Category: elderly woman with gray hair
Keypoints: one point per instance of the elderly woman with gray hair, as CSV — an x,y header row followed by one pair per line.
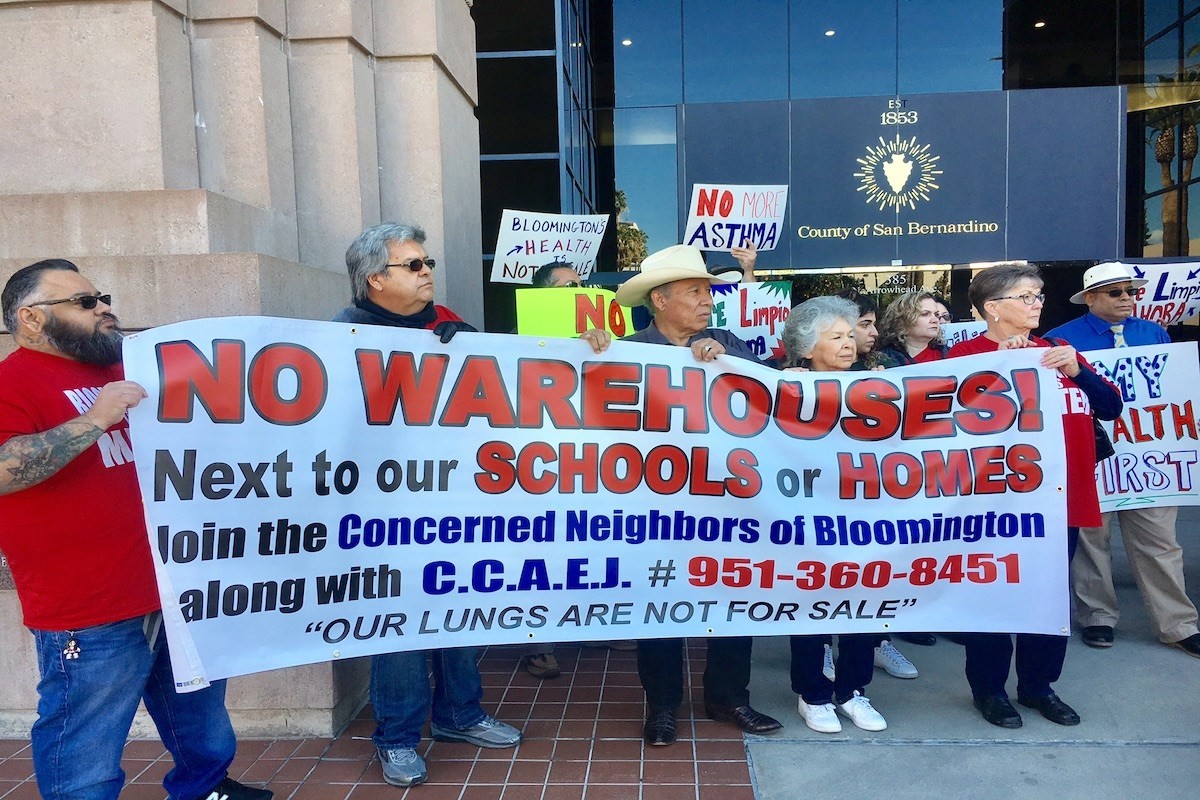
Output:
x,y
819,336
1008,297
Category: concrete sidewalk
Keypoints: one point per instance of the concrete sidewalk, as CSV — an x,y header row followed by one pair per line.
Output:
x,y
1140,735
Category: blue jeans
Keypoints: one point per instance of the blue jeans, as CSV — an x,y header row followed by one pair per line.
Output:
x,y
401,699
86,706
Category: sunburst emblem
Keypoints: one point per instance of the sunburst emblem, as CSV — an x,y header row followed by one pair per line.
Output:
x,y
908,169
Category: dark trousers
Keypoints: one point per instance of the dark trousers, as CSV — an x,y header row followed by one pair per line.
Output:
x,y
1039,657
1039,662
853,667
726,673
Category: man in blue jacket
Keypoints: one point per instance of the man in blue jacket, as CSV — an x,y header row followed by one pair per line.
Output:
x,y
1149,533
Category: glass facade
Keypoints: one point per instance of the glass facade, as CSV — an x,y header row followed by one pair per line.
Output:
x,y
627,80
537,121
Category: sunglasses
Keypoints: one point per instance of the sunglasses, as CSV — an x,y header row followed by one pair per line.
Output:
x,y
1115,293
417,264
87,302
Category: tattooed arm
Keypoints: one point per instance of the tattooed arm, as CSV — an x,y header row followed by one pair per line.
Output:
x,y
28,460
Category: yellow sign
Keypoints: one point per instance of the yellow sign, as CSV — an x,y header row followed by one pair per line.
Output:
x,y
568,312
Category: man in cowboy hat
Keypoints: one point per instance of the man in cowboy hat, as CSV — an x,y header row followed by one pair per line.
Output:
x,y
676,287
1149,533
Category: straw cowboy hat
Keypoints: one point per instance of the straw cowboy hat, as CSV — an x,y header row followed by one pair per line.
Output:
x,y
1104,274
675,263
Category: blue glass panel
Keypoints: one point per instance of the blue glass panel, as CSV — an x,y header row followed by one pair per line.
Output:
x,y
645,151
734,51
857,59
648,70
1159,14
950,46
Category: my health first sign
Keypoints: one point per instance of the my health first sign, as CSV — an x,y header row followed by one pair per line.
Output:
x,y
317,491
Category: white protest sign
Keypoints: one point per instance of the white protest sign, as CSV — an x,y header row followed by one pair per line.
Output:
x,y
956,332
529,240
1171,294
1157,461
754,312
721,217
320,491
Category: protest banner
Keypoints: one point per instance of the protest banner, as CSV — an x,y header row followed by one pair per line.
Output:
x,y
563,311
755,312
1171,294
1155,437
955,332
721,217
528,240
317,491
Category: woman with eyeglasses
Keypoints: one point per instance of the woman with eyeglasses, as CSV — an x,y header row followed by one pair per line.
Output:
x,y
1009,298
909,331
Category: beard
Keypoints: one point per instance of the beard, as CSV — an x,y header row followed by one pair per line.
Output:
x,y
97,347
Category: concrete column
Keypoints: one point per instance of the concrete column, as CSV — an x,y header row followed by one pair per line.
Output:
x,y
243,116
333,126
426,94
98,97
216,157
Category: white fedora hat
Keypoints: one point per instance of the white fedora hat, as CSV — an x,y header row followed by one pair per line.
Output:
x,y
675,263
1103,275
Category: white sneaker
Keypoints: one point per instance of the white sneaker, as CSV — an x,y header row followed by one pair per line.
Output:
x,y
893,662
827,667
858,710
822,718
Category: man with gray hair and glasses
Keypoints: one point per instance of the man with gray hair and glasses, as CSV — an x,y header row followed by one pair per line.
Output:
x,y
391,278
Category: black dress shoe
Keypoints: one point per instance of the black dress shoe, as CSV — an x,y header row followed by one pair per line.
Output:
x,y
1052,708
660,728
998,711
923,639
1098,636
744,717
1190,645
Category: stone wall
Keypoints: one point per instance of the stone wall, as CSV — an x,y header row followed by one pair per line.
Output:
x,y
204,158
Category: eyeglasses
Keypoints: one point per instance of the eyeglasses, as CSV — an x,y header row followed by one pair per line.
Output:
x,y
1115,293
417,264
936,315
1027,299
571,285
87,302
945,317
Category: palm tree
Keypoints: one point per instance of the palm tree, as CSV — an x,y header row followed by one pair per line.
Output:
x,y
631,240
1180,112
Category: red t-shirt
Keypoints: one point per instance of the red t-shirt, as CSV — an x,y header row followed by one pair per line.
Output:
x,y
928,355
76,542
1083,502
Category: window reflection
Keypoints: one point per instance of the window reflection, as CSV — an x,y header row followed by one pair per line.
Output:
x,y
950,46
858,60
1159,14
648,70
734,52
645,151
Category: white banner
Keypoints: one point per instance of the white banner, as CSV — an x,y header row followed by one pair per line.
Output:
x,y
528,240
1156,463
955,332
317,491
755,313
1172,293
721,217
